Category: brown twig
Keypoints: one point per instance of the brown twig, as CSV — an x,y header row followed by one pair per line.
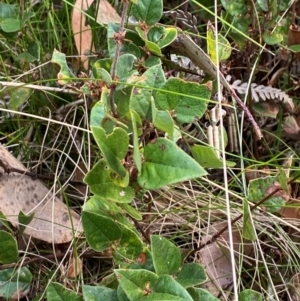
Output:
x,y
32,260
119,37
248,114
8,169
140,228
218,234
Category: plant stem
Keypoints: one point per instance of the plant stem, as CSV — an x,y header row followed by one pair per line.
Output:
x,y
119,40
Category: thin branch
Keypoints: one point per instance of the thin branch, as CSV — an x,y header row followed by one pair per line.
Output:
x,y
8,169
252,208
119,40
48,257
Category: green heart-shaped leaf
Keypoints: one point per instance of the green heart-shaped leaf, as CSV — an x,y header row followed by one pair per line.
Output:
x,y
101,184
165,163
114,147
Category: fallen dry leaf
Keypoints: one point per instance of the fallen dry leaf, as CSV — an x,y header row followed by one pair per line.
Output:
x,y
53,221
216,257
107,14
75,267
281,193
294,287
83,33
19,294
291,209
294,37
291,128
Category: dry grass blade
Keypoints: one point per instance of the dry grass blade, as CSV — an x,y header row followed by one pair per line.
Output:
x,y
216,260
53,221
186,46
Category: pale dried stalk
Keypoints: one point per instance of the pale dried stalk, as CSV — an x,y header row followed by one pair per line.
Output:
x,y
186,46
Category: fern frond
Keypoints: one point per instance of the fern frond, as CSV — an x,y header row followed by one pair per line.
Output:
x,y
262,92
187,19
